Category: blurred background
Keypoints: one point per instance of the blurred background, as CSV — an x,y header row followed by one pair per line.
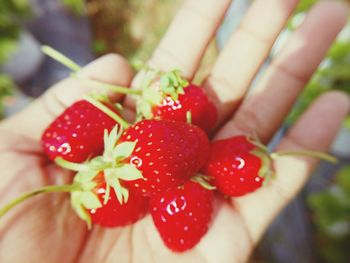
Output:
x,y
315,227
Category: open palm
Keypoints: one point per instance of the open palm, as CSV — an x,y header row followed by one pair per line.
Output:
x,y
45,229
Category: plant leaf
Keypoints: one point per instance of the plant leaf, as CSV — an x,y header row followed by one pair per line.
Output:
x,y
145,109
85,176
153,96
113,181
128,172
97,164
125,193
79,209
89,200
265,170
343,179
111,138
124,149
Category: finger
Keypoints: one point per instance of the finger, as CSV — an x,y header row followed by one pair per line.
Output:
x,y
264,111
186,40
33,120
315,131
246,50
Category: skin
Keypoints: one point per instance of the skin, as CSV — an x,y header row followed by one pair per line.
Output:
x,y
45,228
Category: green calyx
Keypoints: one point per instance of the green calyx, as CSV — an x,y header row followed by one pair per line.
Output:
x,y
113,168
189,117
84,198
172,84
203,180
151,86
155,86
266,170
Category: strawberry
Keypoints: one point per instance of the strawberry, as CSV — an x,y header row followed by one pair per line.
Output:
x,y
182,215
93,201
77,134
112,213
166,95
237,166
242,164
194,100
167,153
148,157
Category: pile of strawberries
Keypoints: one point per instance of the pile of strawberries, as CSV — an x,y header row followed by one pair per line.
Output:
x,y
163,163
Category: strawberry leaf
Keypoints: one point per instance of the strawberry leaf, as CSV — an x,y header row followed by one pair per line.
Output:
x,y
181,90
128,172
112,180
107,194
189,117
145,109
154,97
164,82
77,167
125,193
172,84
85,177
79,209
89,200
97,164
124,150
110,140
115,184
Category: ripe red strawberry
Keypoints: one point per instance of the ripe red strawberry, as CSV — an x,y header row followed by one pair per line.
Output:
x,y
77,134
166,95
113,214
167,153
94,200
194,100
182,215
237,166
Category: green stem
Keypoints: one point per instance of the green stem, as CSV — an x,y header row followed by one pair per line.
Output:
x,y
45,189
59,57
255,141
107,111
115,88
203,180
77,167
189,117
319,155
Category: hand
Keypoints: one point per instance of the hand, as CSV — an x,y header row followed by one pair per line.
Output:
x,y
45,229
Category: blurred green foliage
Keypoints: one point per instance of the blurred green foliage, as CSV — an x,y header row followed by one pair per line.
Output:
x,y
126,27
331,214
133,28
76,6
6,89
305,5
331,207
11,14
333,74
